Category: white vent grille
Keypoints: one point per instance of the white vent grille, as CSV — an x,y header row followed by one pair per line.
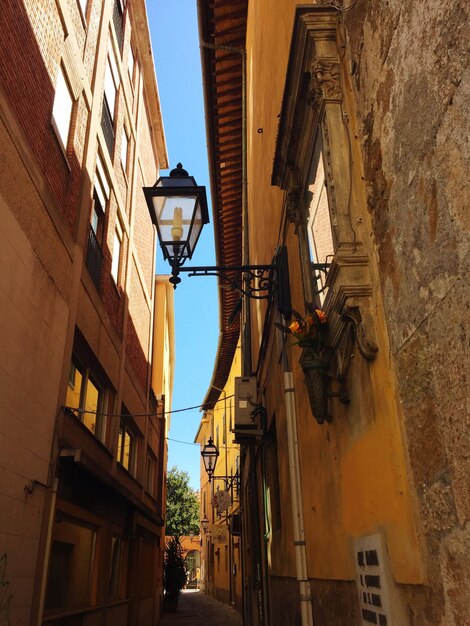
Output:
x,y
372,583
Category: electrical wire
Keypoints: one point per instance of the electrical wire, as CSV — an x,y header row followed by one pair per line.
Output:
x,y
188,408
191,443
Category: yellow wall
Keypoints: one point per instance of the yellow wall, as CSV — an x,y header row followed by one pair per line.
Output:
x,y
218,423
355,478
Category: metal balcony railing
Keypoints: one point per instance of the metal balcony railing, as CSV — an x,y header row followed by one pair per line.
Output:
x,y
94,258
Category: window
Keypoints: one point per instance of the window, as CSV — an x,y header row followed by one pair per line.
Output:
x,y
319,232
131,64
272,478
150,471
86,394
70,565
116,570
118,21
62,108
111,85
124,149
83,7
117,247
101,194
127,443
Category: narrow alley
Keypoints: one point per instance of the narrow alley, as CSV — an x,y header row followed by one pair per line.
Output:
x,y
195,608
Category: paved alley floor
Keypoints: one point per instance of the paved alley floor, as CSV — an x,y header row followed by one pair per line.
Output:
x,y
195,608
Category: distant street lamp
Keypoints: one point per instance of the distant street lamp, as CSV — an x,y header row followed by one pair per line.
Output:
x,y
204,523
209,456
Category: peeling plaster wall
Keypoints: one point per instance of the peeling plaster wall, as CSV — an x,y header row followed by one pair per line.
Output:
x,y
409,62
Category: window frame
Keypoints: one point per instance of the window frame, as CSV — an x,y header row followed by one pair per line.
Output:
x,y
55,121
125,140
83,10
116,260
93,561
126,427
317,287
150,487
89,375
117,591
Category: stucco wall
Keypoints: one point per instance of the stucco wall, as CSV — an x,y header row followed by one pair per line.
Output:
x,y
396,458
32,337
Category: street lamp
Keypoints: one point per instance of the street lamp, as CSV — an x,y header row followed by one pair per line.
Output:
x,y
204,523
209,456
178,208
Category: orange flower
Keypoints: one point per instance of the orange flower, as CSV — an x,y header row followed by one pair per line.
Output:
x,y
321,316
294,327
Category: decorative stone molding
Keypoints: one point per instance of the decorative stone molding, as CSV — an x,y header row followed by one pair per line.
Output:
x,y
324,83
313,110
294,212
358,311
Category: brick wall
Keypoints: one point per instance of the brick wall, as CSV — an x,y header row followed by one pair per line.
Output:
x,y
138,329
32,99
143,235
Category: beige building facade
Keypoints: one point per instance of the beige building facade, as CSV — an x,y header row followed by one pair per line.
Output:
x,y
221,574
83,387
336,134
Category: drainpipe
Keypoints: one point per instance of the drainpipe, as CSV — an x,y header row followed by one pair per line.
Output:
x,y
306,609
48,549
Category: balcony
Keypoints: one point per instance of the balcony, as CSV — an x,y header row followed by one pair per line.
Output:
x,y
94,258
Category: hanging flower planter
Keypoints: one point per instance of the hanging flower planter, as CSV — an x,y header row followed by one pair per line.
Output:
x,y
316,380
311,334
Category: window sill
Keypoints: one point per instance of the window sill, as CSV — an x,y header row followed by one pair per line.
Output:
x,y
94,438
128,473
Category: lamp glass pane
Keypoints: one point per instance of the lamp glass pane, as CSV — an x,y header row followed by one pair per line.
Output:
x,y
196,229
167,217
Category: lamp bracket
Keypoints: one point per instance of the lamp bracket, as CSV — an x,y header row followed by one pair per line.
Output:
x,y
254,281
232,483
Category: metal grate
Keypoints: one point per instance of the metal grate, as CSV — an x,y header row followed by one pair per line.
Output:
x,y
372,581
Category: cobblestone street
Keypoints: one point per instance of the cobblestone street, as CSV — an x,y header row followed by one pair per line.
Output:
x,y
195,608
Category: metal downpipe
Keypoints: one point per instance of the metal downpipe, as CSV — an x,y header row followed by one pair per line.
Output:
x,y
306,608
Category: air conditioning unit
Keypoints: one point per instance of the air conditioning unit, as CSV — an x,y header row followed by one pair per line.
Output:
x,y
246,403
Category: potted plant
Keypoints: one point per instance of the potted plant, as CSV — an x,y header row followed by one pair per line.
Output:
x,y
310,333
174,574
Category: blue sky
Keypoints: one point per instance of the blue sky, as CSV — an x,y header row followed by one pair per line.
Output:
x,y
175,42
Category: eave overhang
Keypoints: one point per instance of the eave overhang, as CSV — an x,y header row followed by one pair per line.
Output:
x,y
222,31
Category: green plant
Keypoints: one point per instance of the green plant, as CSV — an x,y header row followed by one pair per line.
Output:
x,y
174,570
182,505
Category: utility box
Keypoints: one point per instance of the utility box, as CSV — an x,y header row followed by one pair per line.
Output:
x,y
246,403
